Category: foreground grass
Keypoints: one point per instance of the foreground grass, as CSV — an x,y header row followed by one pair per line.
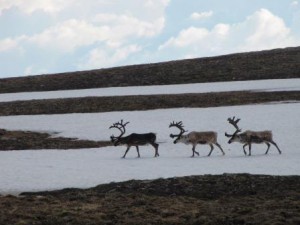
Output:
x,y
208,199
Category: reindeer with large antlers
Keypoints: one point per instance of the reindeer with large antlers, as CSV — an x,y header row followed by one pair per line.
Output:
x,y
194,138
133,139
250,137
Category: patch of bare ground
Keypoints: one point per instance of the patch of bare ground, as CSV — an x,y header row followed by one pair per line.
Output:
x,y
23,140
210,199
142,102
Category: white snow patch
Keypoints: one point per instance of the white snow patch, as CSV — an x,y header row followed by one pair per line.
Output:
x,y
55,169
259,85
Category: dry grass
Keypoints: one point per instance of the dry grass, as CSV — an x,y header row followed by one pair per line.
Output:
x,y
143,102
219,199
23,140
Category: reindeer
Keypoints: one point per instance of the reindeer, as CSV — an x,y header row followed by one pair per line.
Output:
x,y
133,139
250,137
194,138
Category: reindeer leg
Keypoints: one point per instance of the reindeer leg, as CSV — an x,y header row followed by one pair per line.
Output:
x,y
219,146
272,142
138,151
245,149
211,149
126,152
155,146
267,148
249,149
194,151
156,150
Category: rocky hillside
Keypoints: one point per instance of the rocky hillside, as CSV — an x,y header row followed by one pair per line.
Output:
x,y
272,64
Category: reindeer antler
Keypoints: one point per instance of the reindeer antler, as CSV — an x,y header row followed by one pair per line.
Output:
x,y
233,122
121,127
179,125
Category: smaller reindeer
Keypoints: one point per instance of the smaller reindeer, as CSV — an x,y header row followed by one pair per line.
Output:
x,y
133,139
194,138
250,137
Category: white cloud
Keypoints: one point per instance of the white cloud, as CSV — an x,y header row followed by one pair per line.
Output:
x,y
12,45
261,30
186,38
221,30
127,25
266,31
7,44
114,30
30,70
146,10
295,3
155,3
66,36
30,6
103,57
194,38
70,34
201,15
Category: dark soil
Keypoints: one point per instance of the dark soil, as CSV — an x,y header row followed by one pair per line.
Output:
x,y
273,64
142,102
221,199
23,140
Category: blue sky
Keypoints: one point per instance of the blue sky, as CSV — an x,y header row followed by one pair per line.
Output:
x,y
52,36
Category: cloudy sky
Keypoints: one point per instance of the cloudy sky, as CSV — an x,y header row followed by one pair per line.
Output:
x,y
50,36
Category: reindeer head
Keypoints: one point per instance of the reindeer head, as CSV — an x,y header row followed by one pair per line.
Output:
x,y
121,127
233,137
179,136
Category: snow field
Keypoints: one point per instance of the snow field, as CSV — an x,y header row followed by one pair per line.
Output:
x,y
55,169
259,85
